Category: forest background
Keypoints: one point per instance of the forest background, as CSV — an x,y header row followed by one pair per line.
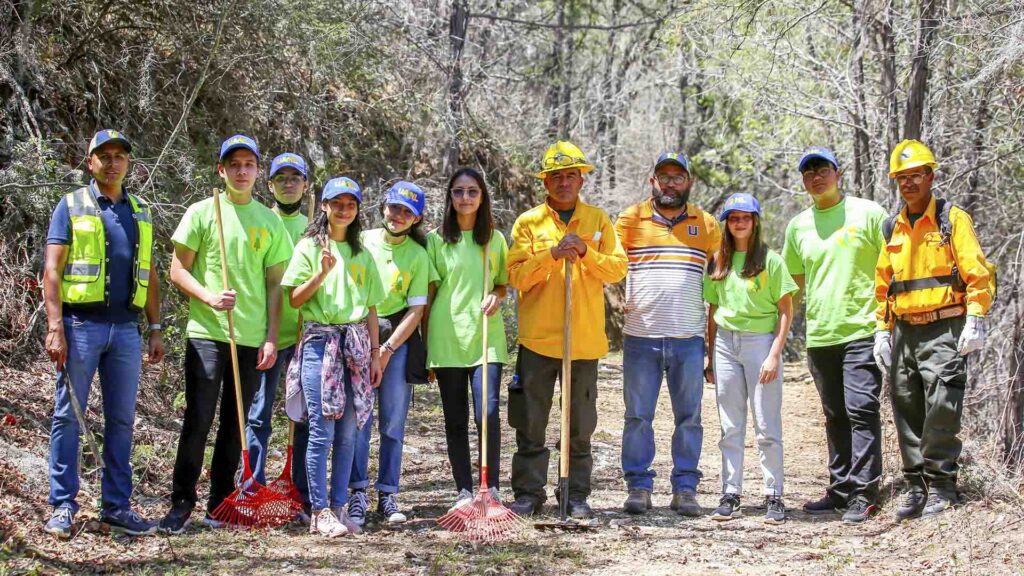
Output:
x,y
408,89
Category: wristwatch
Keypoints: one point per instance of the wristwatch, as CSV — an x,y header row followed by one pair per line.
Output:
x,y
155,326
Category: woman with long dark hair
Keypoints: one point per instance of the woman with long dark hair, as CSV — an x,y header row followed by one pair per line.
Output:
x,y
335,284
455,321
750,293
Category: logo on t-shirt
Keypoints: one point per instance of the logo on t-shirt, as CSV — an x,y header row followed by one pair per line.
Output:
x,y
400,281
258,238
358,274
846,236
692,230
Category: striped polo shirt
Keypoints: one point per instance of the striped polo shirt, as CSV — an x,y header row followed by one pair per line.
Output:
x,y
667,260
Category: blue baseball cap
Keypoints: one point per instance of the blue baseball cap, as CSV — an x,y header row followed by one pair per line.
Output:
x,y
816,152
106,136
288,160
677,158
407,194
238,141
337,186
740,202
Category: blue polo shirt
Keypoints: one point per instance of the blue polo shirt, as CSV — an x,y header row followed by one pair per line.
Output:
x,y
122,235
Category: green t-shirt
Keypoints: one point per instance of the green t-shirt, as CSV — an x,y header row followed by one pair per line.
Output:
x,y
455,337
349,290
750,304
288,331
404,271
836,250
255,240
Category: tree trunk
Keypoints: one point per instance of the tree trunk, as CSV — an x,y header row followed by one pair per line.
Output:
x,y
981,120
559,89
890,98
928,23
863,166
458,25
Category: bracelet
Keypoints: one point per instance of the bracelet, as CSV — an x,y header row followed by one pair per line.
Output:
x,y
155,326
388,347
374,348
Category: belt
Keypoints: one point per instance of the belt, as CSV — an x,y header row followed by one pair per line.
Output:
x,y
934,315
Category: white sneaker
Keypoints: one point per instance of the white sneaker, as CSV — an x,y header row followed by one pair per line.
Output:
x,y
464,497
325,523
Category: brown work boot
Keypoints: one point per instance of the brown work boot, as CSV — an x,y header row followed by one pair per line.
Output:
x,y
638,501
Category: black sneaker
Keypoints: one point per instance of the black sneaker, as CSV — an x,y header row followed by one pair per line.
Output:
x,y
524,506
580,510
387,507
824,505
859,511
913,503
728,508
775,510
357,507
128,522
177,520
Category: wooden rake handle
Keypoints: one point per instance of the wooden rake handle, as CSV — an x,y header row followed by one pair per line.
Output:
x,y
483,366
563,459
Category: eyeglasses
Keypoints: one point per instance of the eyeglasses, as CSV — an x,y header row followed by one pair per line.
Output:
x,y
470,193
916,179
673,179
822,172
562,160
287,179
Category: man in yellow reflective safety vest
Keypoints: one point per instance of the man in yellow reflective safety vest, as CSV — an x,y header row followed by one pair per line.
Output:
x,y
99,274
932,288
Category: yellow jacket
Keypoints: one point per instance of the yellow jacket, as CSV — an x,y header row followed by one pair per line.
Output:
x,y
540,279
918,252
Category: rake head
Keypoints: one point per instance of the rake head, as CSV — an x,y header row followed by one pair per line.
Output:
x,y
253,505
284,484
483,519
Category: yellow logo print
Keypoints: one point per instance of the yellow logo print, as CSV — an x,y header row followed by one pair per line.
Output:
x,y
113,134
258,238
358,274
407,194
400,281
846,236
757,282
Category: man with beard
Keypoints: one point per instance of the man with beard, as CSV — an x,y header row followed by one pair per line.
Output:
x,y
288,182
668,242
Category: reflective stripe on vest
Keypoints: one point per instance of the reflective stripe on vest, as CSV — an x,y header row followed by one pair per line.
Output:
x,y
87,255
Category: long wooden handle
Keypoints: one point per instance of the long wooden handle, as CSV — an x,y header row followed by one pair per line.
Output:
x,y
563,460
231,322
484,402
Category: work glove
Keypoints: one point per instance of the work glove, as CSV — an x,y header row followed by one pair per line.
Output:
x,y
973,337
883,350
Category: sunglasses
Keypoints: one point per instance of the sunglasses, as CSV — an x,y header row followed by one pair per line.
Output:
x,y
465,192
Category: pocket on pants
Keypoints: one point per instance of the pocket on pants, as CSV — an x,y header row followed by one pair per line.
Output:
x,y
516,407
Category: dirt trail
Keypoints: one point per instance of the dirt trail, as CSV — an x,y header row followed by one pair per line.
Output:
x,y
985,536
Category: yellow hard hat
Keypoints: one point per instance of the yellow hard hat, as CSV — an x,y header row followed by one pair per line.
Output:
x,y
910,154
561,155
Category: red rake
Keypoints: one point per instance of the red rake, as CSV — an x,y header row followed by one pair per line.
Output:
x,y
251,504
284,484
483,519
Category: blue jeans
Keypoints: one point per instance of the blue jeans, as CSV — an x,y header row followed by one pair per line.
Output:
x,y
393,399
335,436
116,351
681,362
261,415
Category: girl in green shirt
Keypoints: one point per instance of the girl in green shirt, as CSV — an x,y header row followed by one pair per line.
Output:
x,y
750,294
335,284
455,335
399,251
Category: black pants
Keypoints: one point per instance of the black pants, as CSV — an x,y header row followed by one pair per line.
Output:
x,y
208,375
455,385
849,384
529,408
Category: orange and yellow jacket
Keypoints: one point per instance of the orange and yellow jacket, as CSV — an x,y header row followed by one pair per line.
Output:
x,y
540,279
919,252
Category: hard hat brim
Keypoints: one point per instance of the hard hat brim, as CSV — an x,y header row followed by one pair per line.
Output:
x,y
584,168
914,164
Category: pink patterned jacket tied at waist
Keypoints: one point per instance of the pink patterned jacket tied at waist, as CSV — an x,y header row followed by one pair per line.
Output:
x,y
346,349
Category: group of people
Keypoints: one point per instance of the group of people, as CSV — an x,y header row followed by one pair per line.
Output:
x,y
351,318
